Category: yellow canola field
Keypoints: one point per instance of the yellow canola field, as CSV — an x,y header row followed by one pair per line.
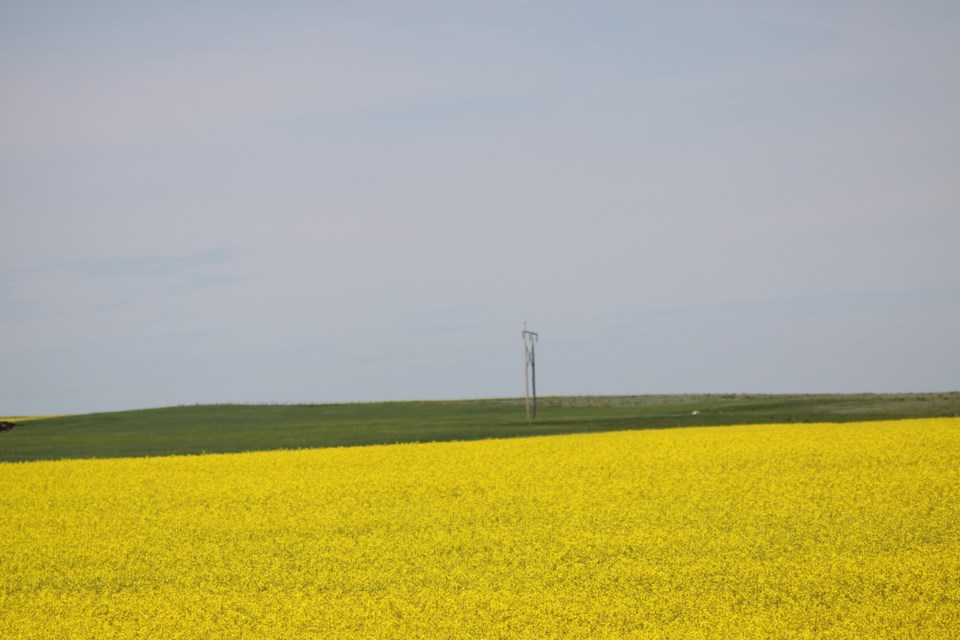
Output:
x,y
778,531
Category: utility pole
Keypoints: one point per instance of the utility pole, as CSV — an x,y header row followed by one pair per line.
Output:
x,y
530,339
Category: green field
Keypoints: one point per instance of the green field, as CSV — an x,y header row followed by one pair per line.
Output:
x,y
234,428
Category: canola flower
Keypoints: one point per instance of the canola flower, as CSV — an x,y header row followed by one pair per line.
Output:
x,y
787,531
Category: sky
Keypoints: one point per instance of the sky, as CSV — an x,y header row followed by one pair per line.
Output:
x,y
287,202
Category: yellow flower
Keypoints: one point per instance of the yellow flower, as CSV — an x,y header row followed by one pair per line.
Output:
x,y
754,531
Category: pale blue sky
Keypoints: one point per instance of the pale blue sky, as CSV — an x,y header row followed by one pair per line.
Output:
x,y
321,202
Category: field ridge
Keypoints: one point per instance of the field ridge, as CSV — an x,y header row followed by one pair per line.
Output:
x,y
231,428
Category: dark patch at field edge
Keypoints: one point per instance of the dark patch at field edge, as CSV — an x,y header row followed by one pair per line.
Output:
x,y
234,428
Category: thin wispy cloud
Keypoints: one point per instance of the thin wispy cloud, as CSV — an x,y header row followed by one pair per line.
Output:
x,y
80,288
156,266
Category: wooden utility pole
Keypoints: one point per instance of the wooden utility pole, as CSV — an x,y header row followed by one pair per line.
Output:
x,y
530,369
